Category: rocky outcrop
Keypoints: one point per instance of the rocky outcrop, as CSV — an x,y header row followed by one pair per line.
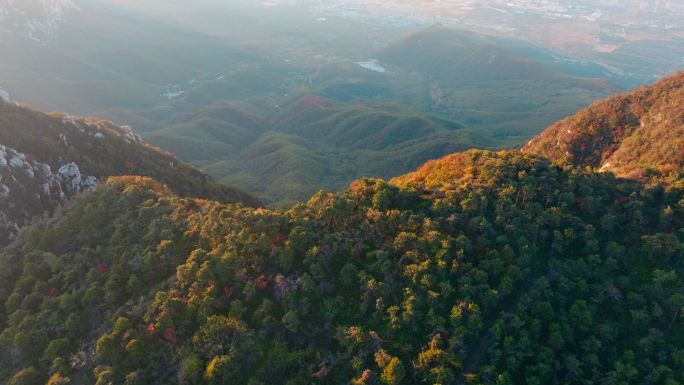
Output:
x,y
29,187
46,159
72,181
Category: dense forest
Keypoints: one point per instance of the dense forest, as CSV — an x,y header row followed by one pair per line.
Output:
x,y
481,268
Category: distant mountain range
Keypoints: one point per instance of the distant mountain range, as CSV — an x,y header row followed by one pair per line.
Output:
x,y
278,109
507,86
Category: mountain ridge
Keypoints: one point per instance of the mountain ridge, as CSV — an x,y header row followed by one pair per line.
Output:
x,y
638,134
480,265
508,87
47,159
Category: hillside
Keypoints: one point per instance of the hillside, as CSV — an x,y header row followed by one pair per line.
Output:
x,y
311,142
47,159
443,91
637,135
461,57
504,86
478,268
221,81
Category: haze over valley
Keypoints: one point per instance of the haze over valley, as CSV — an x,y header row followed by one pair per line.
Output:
x,y
263,94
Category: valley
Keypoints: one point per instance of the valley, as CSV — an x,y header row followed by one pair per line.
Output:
x,y
245,101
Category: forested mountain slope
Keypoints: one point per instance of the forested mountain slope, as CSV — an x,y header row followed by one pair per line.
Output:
x,y
314,142
479,268
639,135
46,159
504,86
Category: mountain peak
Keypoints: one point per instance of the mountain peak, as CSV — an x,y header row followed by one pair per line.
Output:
x,y
471,169
637,135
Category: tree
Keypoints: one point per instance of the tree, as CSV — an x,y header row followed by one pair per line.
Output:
x,y
57,379
26,376
393,373
220,370
190,371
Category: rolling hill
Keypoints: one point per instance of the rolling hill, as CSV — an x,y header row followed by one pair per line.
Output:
x,y
47,159
478,268
311,142
226,81
638,135
443,90
504,86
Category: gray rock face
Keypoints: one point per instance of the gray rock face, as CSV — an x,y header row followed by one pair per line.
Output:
x,y
3,157
71,180
17,161
36,179
69,177
89,183
4,191
29,187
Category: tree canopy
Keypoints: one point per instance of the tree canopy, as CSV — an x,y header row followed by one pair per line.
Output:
x,y
479,268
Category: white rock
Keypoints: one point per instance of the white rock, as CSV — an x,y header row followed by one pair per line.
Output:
x,y
89,183
99,136
70,176
47,171
68,119
3,156
4,191
17,161
4,95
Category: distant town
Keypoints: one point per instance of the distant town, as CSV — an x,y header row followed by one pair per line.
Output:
x,y
572,26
